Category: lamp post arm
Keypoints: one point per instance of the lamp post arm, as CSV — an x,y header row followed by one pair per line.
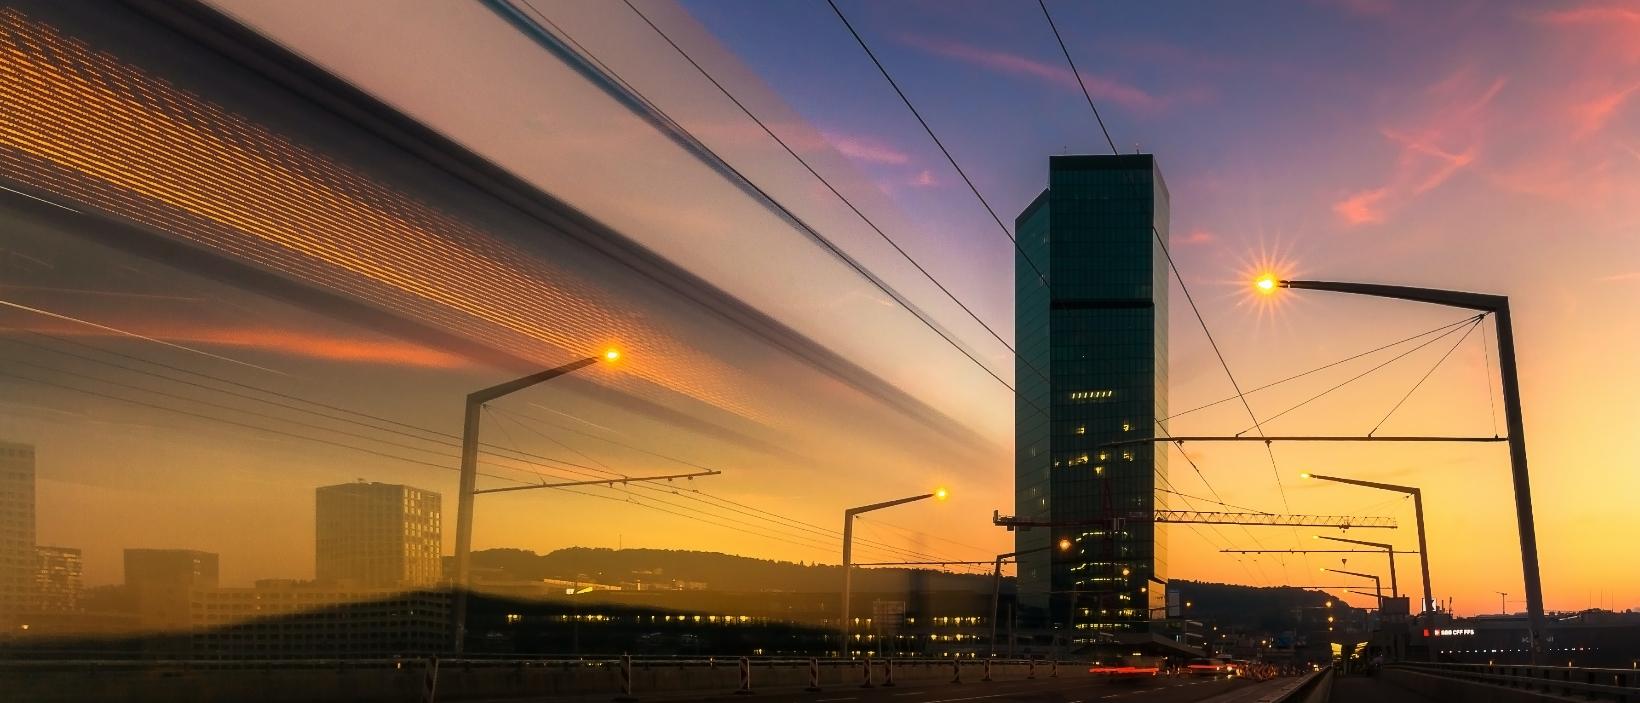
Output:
x,y
1366,484
851,512
496,391
1450,298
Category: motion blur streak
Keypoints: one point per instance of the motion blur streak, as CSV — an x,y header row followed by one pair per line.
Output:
x,y
84,125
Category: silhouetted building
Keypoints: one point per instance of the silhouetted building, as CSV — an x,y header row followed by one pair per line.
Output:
x,y
160,581
377,535
290,619
57,580
1091,369
17,558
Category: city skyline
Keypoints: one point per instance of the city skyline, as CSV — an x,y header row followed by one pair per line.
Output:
x,y
1418,169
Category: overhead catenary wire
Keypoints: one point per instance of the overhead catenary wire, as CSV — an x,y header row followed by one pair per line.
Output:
x,y
1363,374
930,130
408,430
827,183
1425,377
1323,367
1078,75
1486,351
702,496
570,468
768,198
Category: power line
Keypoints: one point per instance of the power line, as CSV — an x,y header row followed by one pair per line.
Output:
x,y
785,212
738,507
863,218
1323,367
244,425
914,113
1425,377
438,437
1363,374
1078,75
881,548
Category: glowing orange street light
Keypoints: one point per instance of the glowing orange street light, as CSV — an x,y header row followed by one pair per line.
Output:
x,y
1064,544
941,494
612,355
1265,284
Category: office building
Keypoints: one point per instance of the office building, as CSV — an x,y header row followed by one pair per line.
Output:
x,y
57,580
377,535
17,558
1091,370
159,583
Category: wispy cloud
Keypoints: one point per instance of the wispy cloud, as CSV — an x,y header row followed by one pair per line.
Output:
x,y
1362,208
1619,277
1592,115
1431,151
1200,236
1101,87
924,179
864,149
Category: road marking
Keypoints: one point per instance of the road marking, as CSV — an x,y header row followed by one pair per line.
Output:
x,y
913,693
973,698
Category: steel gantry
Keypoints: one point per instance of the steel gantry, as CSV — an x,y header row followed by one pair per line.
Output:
x,y
1201,517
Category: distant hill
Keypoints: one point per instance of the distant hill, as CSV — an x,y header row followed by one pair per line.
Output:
x,y
722,572
1270,609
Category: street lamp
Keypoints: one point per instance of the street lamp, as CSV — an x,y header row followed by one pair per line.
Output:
x,y
1394,585
848,549
1498,306
1418,513
469,477
1377,586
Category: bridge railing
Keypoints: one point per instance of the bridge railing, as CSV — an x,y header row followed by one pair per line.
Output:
x,y
1585,683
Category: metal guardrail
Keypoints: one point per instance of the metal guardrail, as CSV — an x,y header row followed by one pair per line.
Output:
x,y
1589,684
507,661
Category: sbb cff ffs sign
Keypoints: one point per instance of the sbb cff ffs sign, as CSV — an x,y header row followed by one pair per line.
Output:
x,y
1448,633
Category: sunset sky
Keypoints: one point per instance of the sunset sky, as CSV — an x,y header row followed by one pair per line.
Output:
x,y
1492,147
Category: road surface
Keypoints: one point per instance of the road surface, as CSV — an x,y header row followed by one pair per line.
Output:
x,y
1077,689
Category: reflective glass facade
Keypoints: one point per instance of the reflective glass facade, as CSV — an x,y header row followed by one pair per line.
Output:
x,y
1097,331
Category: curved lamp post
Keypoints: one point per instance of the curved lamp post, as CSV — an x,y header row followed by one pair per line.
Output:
x,y
848,552
469,479
1497,305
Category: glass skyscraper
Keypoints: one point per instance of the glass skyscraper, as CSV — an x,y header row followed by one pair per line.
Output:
x,y
1091,369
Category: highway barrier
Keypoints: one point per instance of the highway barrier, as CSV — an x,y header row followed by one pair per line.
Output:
x,y
1504,682
407,680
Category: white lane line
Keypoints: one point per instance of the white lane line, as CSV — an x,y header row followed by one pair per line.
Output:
x,y
974,698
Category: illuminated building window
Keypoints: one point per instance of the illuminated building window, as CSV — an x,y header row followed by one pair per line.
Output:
x,y
1081,429
1092,395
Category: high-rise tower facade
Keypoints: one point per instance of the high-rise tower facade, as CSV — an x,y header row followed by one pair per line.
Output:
x,y
1091,369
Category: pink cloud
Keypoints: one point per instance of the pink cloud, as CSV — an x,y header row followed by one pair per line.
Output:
x,y
1443,143
1362,208
1099,87
1592,115
862,149
1617,277
1592,14
924,179
1200,236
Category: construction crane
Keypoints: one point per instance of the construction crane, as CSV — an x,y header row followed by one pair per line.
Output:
x,y
1200,517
